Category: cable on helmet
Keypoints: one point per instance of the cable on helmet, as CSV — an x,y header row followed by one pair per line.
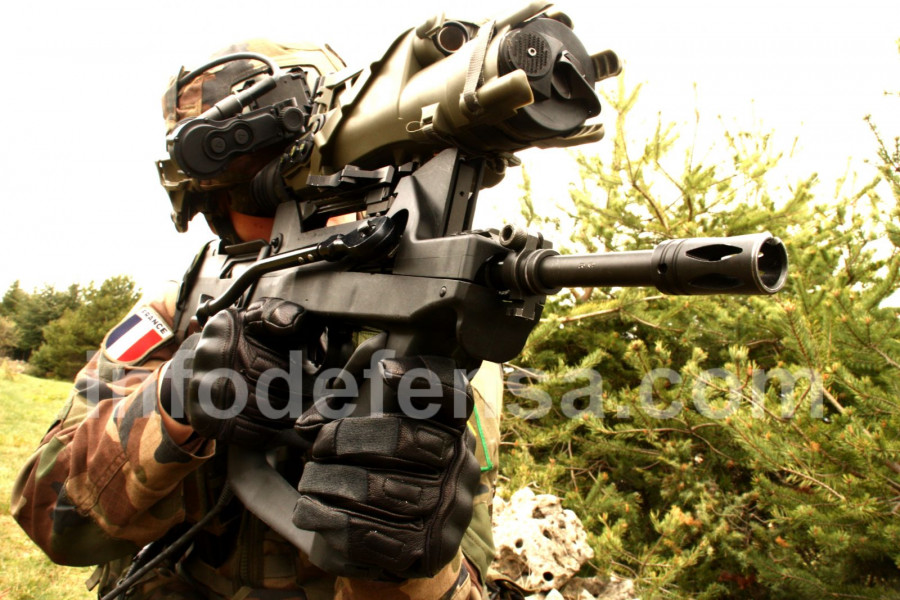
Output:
x,y
231,116
221,60
233,104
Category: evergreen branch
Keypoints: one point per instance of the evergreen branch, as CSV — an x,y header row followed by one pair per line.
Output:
x,y
572,471
864,395
710,445
615,432
792,323
601,313
797,430
652,325
691,431
528,372
884,355
598,313
772,341
818,584
677,185
893,467
809,442
623,566
833,401
865,343
632,176
816,481
654,207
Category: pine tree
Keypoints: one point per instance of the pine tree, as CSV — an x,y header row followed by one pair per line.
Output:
x,y
735,447
76,334
31,312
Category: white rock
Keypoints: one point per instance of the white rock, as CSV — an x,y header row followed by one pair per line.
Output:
x,y
539,544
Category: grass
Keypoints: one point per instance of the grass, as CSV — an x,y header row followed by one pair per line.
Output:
x,y
27,408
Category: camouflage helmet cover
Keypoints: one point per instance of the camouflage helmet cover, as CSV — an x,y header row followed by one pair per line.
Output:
x,y
190,196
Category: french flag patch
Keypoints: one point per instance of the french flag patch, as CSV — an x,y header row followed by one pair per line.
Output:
x,y
134,338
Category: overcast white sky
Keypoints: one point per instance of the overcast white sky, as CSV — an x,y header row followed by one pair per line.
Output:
x,y
82,81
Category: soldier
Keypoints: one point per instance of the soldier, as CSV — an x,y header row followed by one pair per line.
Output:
x,y
121,468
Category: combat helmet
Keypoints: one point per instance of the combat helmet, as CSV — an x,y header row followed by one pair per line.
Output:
x,y
222,195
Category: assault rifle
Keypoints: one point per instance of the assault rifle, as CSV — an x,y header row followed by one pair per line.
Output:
x,y
405,146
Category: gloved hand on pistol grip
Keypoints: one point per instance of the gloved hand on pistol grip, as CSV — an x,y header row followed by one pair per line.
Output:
x,y
236,375
394,490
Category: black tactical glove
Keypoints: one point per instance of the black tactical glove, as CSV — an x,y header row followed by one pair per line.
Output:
x,y
393,491
232,393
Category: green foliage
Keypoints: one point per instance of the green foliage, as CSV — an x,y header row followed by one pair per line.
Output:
x,y
79,331
32,312
736,447
54,330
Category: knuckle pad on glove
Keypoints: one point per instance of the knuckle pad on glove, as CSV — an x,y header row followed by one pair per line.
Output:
x,y
217,341
282,316
385,440
392,552
378,494
335,481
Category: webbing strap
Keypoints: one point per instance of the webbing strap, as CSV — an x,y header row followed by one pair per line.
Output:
x,y
476,67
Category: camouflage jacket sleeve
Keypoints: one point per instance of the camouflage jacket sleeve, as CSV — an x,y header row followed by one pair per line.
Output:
x,y
106,478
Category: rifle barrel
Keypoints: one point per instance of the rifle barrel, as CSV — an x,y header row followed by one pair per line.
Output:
x,y
614,269
745,264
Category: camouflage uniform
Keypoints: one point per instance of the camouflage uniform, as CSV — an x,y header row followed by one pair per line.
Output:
x,y
107,479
